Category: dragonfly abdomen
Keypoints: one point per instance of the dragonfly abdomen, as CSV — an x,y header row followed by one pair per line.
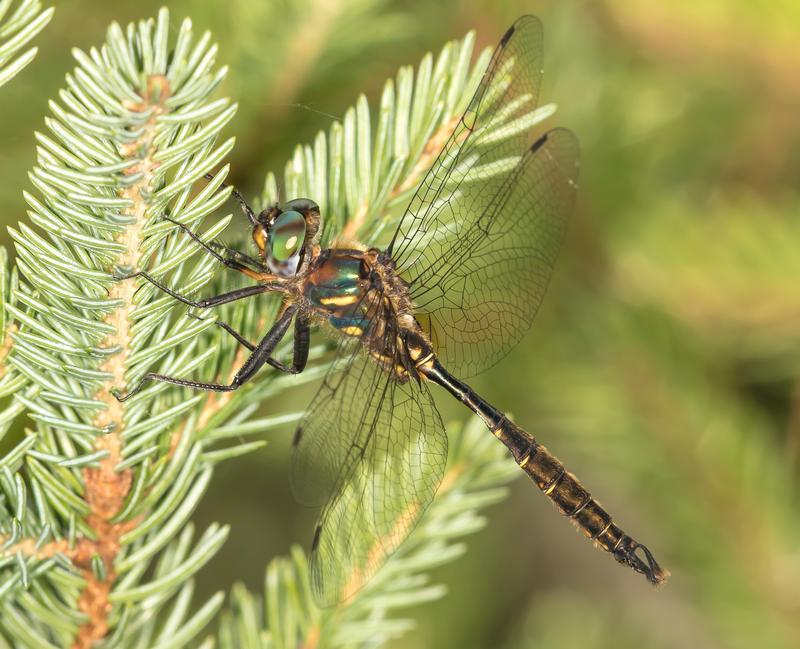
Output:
x,y
575,502
552,478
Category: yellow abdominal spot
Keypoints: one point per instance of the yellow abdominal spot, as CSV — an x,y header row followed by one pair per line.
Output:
x,y
424,362
339,300
552,485
352,330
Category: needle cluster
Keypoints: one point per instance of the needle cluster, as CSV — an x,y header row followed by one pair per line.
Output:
x,y
97,547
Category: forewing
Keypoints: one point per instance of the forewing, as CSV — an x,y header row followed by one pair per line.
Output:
x,y
493,128
395,458
477,291
479,239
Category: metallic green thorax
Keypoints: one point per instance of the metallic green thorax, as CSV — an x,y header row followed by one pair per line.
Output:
x,y
336,287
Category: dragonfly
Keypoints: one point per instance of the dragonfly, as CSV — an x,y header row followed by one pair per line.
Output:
x,y
455,289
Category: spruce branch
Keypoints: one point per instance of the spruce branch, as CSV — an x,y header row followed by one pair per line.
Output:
x,y
17,30
98,483
287,616
10,381
97,496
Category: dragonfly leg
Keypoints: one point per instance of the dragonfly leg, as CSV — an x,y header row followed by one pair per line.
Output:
x,y
248,211
302,338
235,260
257,359
301,344
230,330
216,300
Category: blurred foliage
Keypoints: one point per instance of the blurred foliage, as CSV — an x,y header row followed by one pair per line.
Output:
x,y
663,367
19,24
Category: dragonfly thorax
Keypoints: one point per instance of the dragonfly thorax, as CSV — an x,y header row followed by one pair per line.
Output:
x,y
358,294
336,286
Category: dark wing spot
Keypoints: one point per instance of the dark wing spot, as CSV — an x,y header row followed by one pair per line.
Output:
x,y
315,542
298,434
507,36
539,143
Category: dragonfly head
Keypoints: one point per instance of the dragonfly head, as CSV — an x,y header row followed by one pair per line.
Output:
x,y
283,232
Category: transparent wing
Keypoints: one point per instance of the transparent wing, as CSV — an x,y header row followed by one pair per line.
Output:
x,y
479,293
326,432
376,450
479,239
493,127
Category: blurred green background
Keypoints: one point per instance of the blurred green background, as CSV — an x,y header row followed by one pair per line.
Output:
x,y
664,366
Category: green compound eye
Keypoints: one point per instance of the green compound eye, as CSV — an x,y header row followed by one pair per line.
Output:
x,y
286,236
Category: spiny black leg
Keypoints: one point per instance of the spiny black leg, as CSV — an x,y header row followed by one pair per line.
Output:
x,y
254,362
297,365
302,340
239,337
239,199
216,300
234,254
228,261
224,325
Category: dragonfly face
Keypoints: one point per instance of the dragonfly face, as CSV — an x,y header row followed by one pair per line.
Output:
x,y
283,235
